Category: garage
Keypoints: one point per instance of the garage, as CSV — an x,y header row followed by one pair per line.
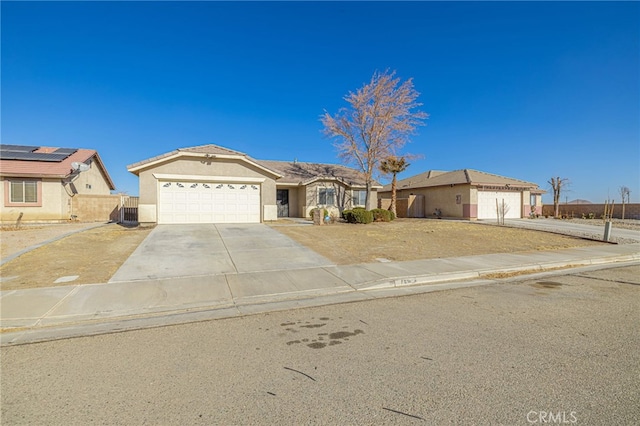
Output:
x,y
487,204
208,202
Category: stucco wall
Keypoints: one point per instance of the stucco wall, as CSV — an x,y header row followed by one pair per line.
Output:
x,y
91,181
457,201
96,208
55,197
201,168
344,194
450,200
55,205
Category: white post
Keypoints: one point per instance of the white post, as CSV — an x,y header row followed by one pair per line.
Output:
x,y
607,231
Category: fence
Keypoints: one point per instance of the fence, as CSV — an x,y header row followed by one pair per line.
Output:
x,y
129,209
405,207
107,208
95,208
631,211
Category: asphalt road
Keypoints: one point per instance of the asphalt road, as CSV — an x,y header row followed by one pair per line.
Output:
x,y
521,352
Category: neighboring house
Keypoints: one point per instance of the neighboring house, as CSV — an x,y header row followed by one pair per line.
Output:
x,y
40,184
212,184
468,194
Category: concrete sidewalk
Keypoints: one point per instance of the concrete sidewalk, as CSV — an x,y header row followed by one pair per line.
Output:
x,y
50,313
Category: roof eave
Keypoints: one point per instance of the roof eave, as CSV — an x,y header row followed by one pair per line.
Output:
x,y
136,168
35,175
112,186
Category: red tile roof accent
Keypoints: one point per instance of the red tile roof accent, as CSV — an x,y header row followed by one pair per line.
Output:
x,y
50,169
45,149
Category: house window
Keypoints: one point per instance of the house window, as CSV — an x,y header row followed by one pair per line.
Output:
x,y
327,196
359,197
25,191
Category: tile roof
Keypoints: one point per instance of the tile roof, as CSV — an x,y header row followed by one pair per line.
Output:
x,y
298,172
51,169
464,176
201,149
290,172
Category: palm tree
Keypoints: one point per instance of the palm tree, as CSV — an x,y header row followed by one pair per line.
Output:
x,y
392,166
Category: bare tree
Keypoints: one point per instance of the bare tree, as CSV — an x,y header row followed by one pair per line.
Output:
x,y
625,193
557,184
502,209
393,165
381,116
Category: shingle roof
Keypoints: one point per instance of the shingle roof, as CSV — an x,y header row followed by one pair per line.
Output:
x,y
298,172
51,169
464,176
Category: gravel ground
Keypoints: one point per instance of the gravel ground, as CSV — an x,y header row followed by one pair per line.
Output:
x,y
499,354
596,234
632,224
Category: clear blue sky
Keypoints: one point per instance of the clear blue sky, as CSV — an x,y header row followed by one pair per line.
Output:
x,y
525,90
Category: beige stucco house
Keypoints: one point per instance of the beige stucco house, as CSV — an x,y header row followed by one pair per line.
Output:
x,y
213,184
43,184
468,194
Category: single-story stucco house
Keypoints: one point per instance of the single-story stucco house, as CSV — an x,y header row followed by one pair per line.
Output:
x,y
40,184
467,194
213,184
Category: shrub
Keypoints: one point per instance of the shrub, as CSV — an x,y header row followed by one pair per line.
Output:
x,y
382,215
360,215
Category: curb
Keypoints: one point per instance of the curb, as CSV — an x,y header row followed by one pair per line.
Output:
x,y
92,324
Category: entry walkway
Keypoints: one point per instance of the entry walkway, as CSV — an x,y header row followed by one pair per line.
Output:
x,y
50,313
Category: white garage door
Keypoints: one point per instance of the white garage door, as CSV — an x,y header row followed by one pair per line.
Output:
x,y
208,202
487,204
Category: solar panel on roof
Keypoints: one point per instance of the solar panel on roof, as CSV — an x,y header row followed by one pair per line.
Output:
x,y
65,151
32,156
18,148
25,153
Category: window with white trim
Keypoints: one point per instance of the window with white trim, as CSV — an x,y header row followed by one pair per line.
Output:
x,y
359,197
23,191
327,196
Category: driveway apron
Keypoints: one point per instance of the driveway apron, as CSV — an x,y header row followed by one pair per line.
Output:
x,y
172,251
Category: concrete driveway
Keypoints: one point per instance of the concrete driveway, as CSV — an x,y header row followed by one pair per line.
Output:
x,y
172,251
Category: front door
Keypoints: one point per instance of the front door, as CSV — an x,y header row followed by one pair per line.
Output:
x,y
282,201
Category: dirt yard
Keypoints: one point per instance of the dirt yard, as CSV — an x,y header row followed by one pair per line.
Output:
x,y
413,239
94,255
17,239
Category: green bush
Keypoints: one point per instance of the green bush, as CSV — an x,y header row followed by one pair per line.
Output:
x,y
382,215
360,215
